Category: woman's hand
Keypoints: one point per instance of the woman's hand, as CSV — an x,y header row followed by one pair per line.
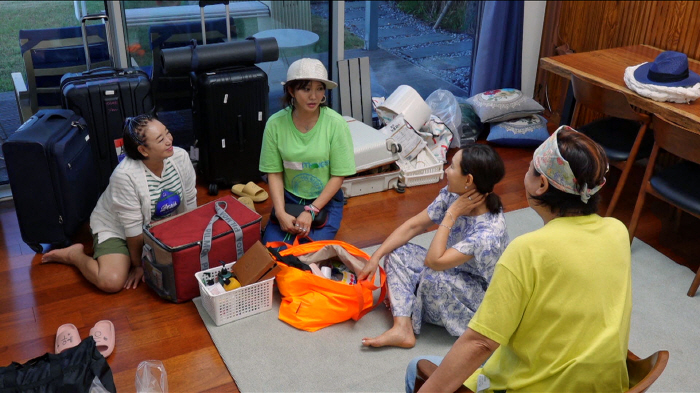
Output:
x,y
135,275
466,203
304,223
287,222
370,268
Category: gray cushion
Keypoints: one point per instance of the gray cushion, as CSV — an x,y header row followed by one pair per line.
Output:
x,y
503,104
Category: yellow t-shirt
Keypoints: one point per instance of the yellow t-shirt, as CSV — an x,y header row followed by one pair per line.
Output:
x,y
559,305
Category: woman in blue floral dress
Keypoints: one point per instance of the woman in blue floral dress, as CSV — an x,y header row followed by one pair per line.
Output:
x,y
445,284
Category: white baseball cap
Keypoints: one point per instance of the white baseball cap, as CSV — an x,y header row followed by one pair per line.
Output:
x,y
310,69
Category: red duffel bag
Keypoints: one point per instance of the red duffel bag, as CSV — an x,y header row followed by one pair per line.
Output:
x,y
177,247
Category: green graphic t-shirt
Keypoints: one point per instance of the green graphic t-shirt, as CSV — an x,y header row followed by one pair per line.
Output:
x,y
307,160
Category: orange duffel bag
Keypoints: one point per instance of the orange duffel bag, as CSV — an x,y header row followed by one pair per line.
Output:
x,y
311,302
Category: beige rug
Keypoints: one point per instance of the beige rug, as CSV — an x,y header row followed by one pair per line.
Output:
x,y
265,354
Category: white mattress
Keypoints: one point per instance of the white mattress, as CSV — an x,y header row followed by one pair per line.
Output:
x,y
370,146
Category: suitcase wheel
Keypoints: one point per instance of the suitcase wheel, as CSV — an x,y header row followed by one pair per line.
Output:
x,y
36,247
213,189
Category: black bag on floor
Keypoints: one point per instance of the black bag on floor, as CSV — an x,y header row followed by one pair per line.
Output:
x,y
73,370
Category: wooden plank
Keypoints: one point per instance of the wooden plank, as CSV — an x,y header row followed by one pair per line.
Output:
x,y
366,94
355,89
344,88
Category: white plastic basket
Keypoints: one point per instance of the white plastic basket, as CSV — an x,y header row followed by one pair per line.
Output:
x,y
424,169
238,303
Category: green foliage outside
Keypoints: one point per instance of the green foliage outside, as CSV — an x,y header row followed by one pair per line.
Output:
x,y
18,15
460,16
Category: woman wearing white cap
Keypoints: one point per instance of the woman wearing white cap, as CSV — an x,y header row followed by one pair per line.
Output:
x,y
307,151
556,316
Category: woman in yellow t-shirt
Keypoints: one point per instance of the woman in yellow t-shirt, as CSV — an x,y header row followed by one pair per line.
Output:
x,y
556,316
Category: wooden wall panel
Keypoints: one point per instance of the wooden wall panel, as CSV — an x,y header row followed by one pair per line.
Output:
x,y
592,25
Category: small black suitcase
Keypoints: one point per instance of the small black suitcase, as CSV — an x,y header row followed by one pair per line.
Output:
x,y
52,176
105,97
229,111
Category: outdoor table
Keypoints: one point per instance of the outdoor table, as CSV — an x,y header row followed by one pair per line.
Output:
x,y
289,39
607,67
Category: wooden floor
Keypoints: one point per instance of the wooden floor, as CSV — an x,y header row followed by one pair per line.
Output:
x,y
35,299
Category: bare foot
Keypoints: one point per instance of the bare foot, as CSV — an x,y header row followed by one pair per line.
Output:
x,y
394,337
63,255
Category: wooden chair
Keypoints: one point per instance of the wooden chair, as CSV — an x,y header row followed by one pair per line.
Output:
x,y
679,184
355,89
642,372
48,54
622,134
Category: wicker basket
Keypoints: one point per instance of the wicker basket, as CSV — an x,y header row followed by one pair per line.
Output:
x,y
424,169
238,303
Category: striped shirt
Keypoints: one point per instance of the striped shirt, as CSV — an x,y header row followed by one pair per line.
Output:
x,y
165,191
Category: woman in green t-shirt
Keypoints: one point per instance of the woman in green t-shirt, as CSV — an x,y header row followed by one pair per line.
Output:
x,y
307,151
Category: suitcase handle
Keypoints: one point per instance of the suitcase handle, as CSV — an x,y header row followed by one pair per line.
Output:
x,y
108,33
204,3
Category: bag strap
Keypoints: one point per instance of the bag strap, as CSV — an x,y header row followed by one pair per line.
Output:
x,y
206,239
370,285
280,244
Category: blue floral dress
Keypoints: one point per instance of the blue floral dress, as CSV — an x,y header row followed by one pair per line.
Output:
x,y
450,297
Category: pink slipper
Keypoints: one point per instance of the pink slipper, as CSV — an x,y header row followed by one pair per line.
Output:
x,y
67,336
103,333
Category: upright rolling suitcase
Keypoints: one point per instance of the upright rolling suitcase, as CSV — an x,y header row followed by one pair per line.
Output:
x,y
105,97
52,176
229,111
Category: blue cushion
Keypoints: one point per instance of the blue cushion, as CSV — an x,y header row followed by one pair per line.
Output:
x,y
680,184
525,131
617,136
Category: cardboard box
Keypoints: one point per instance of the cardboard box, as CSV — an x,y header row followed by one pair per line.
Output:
x,y
255,265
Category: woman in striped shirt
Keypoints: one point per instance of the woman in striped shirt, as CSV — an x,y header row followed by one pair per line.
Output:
x,y
153,181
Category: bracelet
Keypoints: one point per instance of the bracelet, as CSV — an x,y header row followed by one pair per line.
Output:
x,y
443,225
451,216
311,207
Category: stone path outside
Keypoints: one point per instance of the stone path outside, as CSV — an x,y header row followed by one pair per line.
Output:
x,y
440,53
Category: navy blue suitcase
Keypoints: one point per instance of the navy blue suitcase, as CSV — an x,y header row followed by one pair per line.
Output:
x,y
52,175
229,113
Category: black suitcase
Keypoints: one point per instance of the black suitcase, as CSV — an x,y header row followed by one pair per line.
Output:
x,y
105,97
52,176
229,111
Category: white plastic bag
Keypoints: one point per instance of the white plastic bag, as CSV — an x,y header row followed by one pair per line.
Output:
x,y
444,105
151,377
437,136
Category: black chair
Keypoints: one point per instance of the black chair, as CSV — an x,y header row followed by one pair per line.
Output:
x,y
622,134
678,184
48,54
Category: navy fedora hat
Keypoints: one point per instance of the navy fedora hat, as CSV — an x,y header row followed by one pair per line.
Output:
x,y
669,69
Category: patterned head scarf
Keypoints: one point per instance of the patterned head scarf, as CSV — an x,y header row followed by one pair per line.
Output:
x,y
548,161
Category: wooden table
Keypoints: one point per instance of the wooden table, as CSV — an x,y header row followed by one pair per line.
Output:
x,y
607,67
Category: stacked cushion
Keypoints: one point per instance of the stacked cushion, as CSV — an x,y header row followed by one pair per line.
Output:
x,y
521,132
503,104
513,116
